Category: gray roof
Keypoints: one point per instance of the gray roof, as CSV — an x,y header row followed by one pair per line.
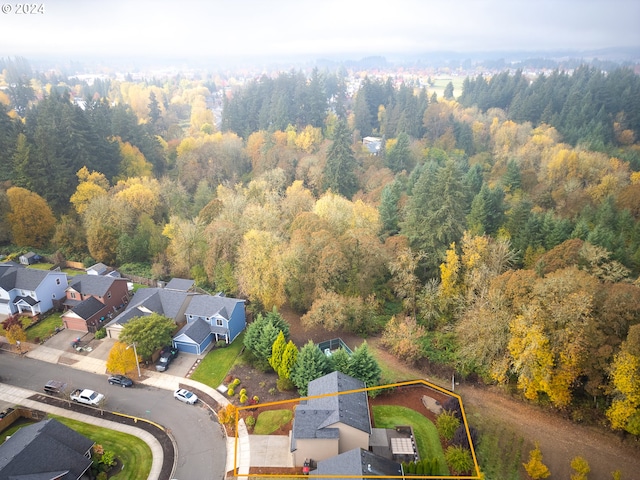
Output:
x,y
97,285
98,267
158,300
44,447
319,414
88,308
197,331
18,276
209,305
357,462
181,284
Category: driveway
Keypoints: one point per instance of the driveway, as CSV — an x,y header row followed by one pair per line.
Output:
x,y
99,349
270,451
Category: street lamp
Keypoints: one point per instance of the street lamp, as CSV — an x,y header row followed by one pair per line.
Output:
x,y
135,352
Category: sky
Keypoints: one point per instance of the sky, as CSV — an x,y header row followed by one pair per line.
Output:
x,y
321,28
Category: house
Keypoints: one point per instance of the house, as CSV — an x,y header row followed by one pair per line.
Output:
x,y
357,463
29,258
203,318
92,300
45,450
372,145
97,269
28,291
329,422
210,318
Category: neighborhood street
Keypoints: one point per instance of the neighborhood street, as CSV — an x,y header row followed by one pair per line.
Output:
x,y
201,445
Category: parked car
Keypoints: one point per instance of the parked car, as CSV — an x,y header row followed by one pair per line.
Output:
x,y
185,396
54,387
166,356
120,380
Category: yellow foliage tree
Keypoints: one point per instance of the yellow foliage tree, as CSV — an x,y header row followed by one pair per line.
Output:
x,y
450,274
624,412
30,218
92,185
141,194
309,139
133,163
122,359
534,467
581,468
16,334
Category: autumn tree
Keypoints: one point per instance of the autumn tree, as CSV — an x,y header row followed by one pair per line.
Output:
x,y
310,364
31,221
289,358
122,359
403,338
624,412
16,335
534,467
90,186
580,467
259,270
405,282
149,333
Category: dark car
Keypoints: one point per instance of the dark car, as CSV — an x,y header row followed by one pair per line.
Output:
x,y
166,355
55,387
120,380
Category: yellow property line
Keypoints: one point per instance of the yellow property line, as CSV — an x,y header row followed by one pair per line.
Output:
x,y
391,385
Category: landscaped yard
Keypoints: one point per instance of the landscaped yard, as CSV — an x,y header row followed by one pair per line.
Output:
x,y
44,328
425,432
271,420
133,453
215,366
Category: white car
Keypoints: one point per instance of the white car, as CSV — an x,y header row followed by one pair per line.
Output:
x,y
185,396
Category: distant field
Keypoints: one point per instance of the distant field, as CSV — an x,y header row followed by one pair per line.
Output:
x,y
439,84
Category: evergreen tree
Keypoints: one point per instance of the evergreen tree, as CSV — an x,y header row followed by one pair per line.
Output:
x,y
277,352
340,361
399,156
289,358
339,175
389,207
448,91
310,364
364,367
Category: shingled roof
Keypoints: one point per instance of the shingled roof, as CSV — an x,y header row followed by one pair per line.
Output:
x,y
46,449
96,285
315,417
357,463
18,276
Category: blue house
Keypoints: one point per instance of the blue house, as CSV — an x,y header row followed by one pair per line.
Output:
x,y
210,318
205,318
27,291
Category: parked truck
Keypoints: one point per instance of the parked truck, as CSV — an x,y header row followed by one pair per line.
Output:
x,y
86,396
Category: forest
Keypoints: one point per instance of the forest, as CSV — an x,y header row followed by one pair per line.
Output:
x,y
496,233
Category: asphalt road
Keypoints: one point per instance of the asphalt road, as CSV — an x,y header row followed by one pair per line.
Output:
x,y
201,443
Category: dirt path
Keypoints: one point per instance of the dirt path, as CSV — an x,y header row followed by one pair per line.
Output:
x,y
560,440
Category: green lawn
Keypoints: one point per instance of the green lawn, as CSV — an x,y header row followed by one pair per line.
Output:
x,y
134,454
269,421
45,327
215,366
425,432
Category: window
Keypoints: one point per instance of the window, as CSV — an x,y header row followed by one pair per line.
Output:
x,y
109,294
219,322
72,294
57,281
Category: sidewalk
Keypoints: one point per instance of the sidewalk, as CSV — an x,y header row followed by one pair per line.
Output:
x,y
19,396
92,364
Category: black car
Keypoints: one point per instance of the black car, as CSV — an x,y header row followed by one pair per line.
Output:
x,y
166,355
120,380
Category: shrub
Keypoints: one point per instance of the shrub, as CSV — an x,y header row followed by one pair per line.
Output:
x,y
108,458
250,421
447,424
102,476
228,379
221,344
231,391
227,414
236,382
272,390
243,398
459,459
284,384
243,391
100,334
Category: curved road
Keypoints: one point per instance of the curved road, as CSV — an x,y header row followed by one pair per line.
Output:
x,y
200,439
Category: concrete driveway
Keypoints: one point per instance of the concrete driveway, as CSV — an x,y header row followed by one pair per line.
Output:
x,y
270,451
99,349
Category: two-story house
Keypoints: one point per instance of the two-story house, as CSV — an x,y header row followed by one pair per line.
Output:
x,y
93,300
28,291
203,318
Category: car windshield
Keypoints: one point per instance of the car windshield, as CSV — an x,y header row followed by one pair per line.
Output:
x,y
93,395
188,394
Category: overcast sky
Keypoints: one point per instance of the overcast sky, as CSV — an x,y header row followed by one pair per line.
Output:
x,y
231,28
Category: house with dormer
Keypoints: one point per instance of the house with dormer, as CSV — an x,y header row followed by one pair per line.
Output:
x,y
27,291
329,423
202,318
92,301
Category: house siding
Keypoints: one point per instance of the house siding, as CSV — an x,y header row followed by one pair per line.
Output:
x,y
237,321
317,449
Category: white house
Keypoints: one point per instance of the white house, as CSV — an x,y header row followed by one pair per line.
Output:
x,y
29,291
